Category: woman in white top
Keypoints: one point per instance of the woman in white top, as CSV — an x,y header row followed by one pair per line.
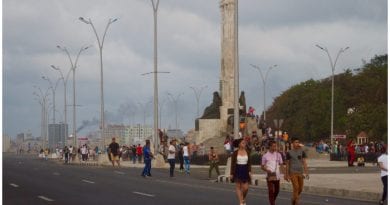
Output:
x,y
240,170
382,161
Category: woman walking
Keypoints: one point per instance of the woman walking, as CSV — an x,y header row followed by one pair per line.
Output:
x,y
382,161
240,170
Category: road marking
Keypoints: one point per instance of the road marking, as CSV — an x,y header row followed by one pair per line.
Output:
x,y
87,181
118,172
143,194
45,198
14,185
56,173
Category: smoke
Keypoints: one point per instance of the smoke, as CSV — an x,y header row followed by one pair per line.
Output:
x,y
125,112
87,123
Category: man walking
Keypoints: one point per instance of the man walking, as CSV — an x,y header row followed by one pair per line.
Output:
x,y
295,167
271,163
147,159
171,156
114,152
213,158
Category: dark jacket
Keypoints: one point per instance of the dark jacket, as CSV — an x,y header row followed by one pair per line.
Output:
x,y
234,162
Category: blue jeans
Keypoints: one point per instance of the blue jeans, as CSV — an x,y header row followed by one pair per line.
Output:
x,y
187,164
134,158
147,168
172,166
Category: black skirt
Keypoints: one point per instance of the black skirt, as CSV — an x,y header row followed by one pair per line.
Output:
x,y
241,174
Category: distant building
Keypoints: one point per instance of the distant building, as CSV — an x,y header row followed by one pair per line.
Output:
x,y
138,134
117,131
20,138
57,135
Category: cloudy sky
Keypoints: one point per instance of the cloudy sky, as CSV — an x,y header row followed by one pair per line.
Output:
x,y
270,32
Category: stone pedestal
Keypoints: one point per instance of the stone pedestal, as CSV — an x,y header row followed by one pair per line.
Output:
x,y
103,159
208,128
159,162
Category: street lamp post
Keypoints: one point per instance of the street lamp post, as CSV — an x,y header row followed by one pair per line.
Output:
x,y
161,105
53,89
264,79
333,67
100,43
174,100
155,110
198,92
42,99
73,68
236,74
65,81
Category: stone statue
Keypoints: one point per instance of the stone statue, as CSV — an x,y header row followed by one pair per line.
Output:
x,y
212,111
242,103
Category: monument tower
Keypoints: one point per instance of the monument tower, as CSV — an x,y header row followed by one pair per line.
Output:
x,y
228,58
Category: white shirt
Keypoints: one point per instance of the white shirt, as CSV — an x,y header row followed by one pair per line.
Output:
x,y
227,146
171,149
185,151
242,160
383,159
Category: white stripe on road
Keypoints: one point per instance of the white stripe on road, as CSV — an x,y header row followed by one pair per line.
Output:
x,y
143,194
87,181
14,185
56,173
118,172
45,198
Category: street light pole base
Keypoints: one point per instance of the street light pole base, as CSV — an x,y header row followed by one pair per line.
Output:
x,y
159,162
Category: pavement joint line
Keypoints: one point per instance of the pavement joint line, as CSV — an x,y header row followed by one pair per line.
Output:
x,y
87,181
143,194
14,185
45,198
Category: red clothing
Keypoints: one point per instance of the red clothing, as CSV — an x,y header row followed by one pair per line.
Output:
x,y
139,150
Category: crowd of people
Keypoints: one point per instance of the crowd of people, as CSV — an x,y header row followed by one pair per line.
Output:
x,y
280,156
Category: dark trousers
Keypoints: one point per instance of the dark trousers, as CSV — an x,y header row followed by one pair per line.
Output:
x,y
384,182
273,191
66,157
181,161
147,168
171,166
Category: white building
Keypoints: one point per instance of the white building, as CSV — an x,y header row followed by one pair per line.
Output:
x,y
137,134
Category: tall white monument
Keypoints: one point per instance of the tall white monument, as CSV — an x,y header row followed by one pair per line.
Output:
x,y
228,58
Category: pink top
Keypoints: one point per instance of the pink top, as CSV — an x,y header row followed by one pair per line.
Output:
x,y
272,161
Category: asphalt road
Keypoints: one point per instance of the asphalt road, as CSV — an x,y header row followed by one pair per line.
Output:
x,y
28,180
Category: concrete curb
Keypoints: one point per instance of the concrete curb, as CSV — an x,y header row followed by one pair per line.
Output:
x,y
315,190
